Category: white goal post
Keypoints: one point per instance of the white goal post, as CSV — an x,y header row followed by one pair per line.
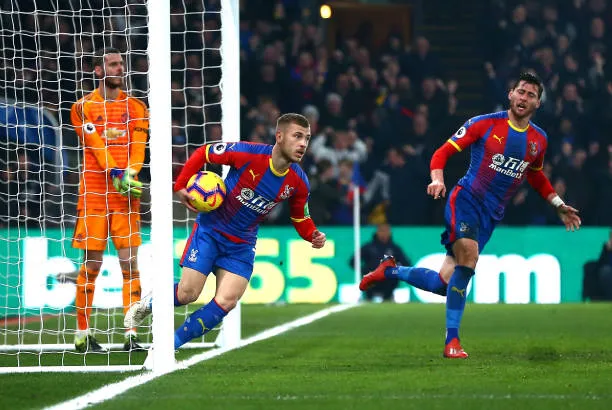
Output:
x,y
185,64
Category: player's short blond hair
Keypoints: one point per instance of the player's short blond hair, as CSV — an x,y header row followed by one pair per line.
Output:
x,y
292,118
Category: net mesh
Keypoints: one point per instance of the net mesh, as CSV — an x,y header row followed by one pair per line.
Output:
x,y
46,66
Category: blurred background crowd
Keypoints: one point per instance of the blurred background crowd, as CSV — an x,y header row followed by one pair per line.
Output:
x,y
380,97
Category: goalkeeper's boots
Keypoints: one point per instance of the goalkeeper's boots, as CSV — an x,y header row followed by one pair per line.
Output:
x,y
131,344
88,344
137,313
378,274
453,350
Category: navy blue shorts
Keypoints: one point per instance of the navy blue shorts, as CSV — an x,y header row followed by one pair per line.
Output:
x,y
466,218
207,249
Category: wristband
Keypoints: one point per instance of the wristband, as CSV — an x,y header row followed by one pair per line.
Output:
x,y
557,201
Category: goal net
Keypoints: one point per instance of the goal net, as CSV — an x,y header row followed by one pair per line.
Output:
x,y
47,64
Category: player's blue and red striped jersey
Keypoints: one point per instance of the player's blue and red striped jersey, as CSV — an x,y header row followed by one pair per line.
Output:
x,y
254,188
501,154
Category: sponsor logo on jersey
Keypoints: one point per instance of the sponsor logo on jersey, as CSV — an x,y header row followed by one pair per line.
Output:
x,y
508,166
287,192
499,139
256,202
111,134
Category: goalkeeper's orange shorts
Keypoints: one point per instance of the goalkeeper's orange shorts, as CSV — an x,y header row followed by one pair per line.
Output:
x,y
94,226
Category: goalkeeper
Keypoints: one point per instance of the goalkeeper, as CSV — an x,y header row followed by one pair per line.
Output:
x,y
113,129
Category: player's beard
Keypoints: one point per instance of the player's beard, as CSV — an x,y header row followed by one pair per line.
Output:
x,y
290,156
525,114
113,82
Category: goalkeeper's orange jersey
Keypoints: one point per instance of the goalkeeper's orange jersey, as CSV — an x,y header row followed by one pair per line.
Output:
x,y
117,139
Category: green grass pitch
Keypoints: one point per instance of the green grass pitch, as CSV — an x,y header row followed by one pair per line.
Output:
x,y
377,356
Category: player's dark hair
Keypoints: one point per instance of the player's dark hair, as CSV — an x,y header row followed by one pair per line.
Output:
x,y
530,78
98,59
292,118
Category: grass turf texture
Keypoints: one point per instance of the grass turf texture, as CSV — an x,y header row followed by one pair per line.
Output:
x,y
380,357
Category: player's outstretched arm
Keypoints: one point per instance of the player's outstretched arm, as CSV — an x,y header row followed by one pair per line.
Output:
x,y
567,214
540,183
300,217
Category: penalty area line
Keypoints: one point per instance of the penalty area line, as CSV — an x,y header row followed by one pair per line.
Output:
x,y
112,390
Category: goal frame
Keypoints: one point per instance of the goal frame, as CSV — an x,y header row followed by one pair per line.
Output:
x,y
161,358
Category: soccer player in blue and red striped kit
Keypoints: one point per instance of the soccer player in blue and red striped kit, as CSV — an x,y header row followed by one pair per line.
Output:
x,y
506,148
223,241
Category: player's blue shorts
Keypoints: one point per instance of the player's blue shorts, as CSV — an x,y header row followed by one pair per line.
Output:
x,y
207,249
466,218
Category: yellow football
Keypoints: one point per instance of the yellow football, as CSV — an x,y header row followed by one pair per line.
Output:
x,y
207,190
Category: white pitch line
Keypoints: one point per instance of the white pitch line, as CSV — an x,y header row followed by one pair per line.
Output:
x,y
112,390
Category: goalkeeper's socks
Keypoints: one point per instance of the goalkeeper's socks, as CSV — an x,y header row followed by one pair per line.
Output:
x,y
199,323
85,288
422,278
176,301
131,290
455,300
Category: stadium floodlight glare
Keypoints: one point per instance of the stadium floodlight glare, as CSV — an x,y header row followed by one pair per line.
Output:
x,y
325,11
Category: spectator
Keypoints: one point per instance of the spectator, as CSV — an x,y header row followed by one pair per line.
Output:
x,y
371,253
343,213
324,194
340,145
597,280
407,199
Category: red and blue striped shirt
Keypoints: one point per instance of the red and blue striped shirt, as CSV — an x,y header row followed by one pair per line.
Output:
x,y
254,188
501,157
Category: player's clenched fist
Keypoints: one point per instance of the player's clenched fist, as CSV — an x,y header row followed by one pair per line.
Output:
x,y
318,239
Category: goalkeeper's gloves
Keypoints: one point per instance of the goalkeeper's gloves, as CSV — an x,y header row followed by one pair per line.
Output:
x,y
124,182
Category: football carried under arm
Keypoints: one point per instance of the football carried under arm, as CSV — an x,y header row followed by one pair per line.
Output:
x,y
193,164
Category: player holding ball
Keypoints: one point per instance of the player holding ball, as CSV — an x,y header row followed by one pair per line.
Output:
x,y
223,241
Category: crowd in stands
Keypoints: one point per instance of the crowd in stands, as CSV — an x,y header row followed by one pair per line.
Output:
x,y
377,112
569,45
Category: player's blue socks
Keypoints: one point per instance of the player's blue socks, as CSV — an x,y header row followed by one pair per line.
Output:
x,y
455,300
199,323
422,278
